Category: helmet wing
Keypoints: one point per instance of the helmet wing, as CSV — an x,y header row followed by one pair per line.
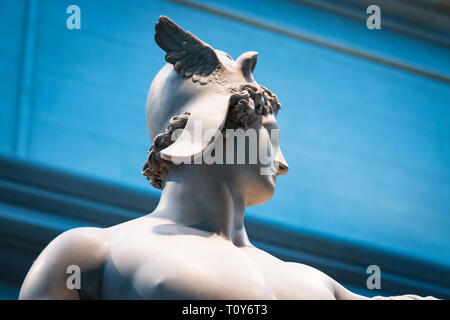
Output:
x,y
190,56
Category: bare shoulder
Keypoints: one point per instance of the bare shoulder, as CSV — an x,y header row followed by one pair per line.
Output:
x,y
314,273
308,269
83,248
79,239
338,290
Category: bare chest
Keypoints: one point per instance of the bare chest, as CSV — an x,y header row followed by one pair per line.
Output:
x,y
186,267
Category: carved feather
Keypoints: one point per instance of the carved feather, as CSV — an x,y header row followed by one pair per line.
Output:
x,y
190,56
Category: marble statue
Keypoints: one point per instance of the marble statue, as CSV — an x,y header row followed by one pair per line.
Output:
x,y
194,245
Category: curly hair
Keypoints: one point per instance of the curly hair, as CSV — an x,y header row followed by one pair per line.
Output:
x,y
246,104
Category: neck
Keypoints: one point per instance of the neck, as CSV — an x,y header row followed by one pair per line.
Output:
x,y
200,197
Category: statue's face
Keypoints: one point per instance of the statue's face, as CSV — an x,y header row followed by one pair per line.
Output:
x,y
257,181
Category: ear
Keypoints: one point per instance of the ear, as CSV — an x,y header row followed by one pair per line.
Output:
x,y
247,62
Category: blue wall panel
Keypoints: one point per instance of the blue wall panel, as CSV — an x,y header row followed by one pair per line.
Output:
x,y
12,27
368,144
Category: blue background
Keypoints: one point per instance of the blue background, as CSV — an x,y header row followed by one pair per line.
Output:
x,y
367,143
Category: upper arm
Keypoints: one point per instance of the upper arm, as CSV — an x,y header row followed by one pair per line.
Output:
x,y
47,278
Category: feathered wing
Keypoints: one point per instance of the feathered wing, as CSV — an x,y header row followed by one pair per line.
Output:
x,y
190,56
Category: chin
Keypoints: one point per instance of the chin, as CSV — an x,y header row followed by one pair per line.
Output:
x,y
262,191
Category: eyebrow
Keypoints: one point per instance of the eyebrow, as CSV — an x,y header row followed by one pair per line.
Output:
x,y
271,125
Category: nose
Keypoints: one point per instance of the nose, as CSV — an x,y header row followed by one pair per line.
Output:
x,y
283,167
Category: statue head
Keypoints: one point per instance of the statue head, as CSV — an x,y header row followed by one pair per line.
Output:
x,y
201,96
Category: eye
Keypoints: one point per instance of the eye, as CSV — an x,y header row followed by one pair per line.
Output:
x,y
271,130
228,56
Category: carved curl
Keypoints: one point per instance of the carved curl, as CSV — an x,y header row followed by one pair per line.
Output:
x,y
155,169
246,104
